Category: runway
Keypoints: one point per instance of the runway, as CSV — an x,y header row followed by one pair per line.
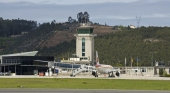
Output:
x,y
77,91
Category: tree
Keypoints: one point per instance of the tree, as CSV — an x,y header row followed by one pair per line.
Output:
x,y
15,51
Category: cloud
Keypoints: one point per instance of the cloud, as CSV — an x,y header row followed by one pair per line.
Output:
x,y
114,17
66,2
157,15
161,15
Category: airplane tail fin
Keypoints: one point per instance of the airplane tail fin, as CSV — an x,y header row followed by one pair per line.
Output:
x,y
97,58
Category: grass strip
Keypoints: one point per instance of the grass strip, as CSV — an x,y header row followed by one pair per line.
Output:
x,y
70,83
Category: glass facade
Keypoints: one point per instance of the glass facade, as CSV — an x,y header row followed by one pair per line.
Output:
x,y
66,65
85,31
83,46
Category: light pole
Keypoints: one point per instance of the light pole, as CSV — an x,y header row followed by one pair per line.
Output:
x,y
152,62
68,56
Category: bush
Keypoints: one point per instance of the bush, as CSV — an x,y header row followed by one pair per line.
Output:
x,y
167,75
160,71
164,73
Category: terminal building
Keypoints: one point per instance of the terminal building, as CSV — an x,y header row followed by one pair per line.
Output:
x,y
26,63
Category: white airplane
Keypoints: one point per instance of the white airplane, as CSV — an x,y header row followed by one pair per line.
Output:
x,y
103,68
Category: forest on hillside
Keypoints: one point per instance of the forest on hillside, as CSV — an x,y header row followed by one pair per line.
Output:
x,y
36,33
16,26
145,45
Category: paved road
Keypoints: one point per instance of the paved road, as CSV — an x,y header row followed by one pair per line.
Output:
x,y
76,91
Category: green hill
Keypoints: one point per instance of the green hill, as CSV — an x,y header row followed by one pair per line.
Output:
x,y
129,43
138,43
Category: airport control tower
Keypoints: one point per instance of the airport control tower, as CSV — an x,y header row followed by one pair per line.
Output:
x,y
85,39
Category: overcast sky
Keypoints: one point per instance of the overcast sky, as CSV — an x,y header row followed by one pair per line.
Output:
x,y
111,12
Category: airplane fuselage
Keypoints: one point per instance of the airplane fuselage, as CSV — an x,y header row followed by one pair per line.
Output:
x,y
104,69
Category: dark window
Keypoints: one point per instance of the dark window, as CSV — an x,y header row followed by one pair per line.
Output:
x,y
83,54
83,46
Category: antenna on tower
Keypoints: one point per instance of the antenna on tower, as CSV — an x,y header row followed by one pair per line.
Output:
x,y
138,20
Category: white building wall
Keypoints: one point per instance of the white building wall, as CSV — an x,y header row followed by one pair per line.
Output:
x,y
157,71
167,70
79,46
88,47
74,59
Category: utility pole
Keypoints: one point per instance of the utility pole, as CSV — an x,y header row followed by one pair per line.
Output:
x,y
137,65
152,60
125,66
138,20
68,55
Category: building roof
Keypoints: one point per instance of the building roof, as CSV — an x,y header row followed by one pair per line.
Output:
x,y
31,53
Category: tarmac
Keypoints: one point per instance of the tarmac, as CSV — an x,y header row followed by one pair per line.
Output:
x,y
25,90
101,76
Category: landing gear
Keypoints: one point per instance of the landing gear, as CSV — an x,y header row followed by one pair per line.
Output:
x,y
94,73
117,73
111,74
72,75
